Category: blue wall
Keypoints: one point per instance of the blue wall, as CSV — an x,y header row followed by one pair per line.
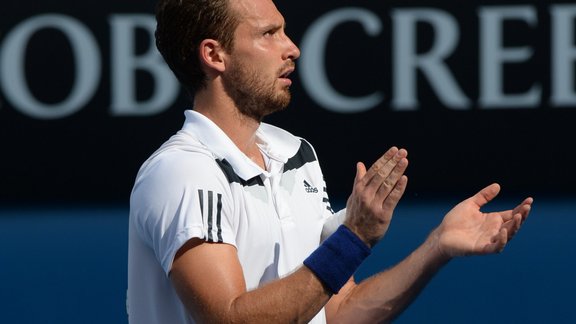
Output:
x,y
68,265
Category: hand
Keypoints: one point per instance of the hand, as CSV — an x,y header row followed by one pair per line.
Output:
x,y
375,194
466,230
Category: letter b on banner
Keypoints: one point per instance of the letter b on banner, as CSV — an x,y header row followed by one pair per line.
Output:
x,y
125,63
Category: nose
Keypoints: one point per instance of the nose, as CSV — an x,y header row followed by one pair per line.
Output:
x,y
292,51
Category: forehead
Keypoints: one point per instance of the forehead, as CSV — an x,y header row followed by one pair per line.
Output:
x,y
257,13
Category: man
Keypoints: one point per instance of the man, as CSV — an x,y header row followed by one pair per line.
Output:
x,y
230,220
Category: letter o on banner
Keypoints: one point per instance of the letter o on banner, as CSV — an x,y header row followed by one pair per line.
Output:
x,y
12,66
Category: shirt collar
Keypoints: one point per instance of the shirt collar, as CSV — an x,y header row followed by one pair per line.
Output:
x,y
275,142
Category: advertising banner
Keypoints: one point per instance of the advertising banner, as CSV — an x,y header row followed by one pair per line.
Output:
x,y
476,91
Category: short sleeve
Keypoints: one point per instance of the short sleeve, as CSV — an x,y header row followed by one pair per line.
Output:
x,y
179,196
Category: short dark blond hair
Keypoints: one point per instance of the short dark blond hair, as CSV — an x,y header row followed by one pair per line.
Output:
x,y
182,25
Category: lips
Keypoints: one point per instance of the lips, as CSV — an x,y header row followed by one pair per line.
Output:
x,y
286,73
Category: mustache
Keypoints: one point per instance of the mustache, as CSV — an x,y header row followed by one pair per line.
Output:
x,y
289,65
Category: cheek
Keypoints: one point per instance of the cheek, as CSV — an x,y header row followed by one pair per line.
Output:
x,y
265,75
263,62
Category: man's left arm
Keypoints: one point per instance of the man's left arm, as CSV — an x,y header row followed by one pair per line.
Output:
x,y
465,230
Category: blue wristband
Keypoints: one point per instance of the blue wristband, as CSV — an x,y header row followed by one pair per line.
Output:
x,y
336,260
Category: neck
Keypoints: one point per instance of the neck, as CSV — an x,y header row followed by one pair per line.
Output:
x,y
240,128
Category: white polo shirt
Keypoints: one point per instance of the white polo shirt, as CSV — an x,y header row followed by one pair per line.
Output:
x,y
200,185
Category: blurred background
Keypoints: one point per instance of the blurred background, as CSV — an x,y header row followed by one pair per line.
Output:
x,y
477,92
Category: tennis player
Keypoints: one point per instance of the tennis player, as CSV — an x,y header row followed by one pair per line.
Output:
x,y
230,221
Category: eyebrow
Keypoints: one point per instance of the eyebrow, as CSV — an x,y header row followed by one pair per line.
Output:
x,y
268,27
275,25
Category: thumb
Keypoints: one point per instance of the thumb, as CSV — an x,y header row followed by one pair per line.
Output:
x,y
485,195
360,171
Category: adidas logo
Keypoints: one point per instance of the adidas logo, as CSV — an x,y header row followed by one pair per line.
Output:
x,y
309,188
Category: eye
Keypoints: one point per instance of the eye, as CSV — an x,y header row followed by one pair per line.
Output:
x,y
271,31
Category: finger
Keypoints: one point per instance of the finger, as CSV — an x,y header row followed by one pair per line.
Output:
x,y
524,208
507,215
502,240
525,211
513,225
380,171
389,183
521,212
516,227
397,192
384,168
485,195
498,242
379,164
360,171
385,163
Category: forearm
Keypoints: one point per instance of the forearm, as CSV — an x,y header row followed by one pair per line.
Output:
x,y
294,299
214,298
385,295
218,293
326,270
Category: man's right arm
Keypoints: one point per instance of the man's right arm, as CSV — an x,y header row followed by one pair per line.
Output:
x,y
209,280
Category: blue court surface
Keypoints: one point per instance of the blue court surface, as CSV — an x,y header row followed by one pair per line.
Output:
x,y
68,265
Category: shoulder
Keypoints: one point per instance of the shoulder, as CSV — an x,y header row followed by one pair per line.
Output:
x,y
287,144
303,156
180,163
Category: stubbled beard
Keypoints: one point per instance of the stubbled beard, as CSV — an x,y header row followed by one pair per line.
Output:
x,y
253,96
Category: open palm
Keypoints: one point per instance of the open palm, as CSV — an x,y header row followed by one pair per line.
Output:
x,y
467,230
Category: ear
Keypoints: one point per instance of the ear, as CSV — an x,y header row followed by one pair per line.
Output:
x,y
212,55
